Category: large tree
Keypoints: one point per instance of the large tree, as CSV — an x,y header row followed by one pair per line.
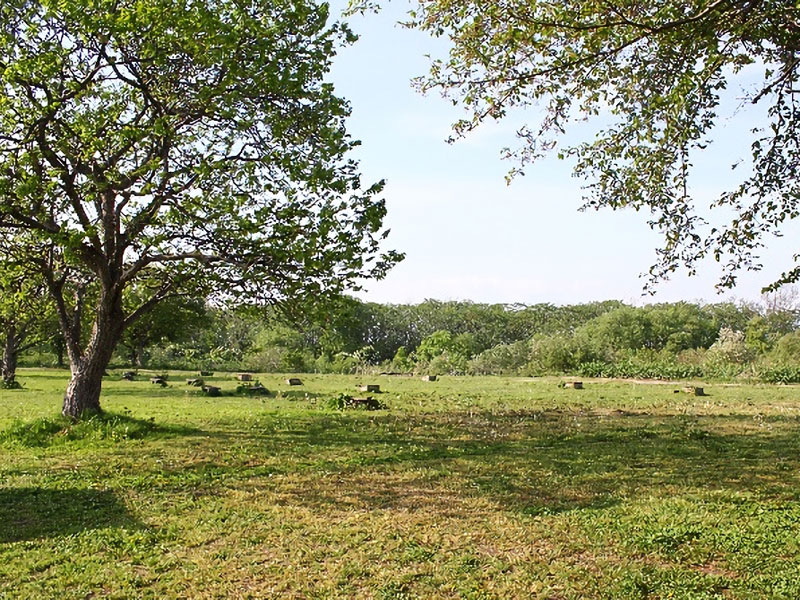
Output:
x,y
186,147
653,74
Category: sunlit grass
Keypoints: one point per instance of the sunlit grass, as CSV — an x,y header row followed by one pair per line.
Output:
x,y
464,488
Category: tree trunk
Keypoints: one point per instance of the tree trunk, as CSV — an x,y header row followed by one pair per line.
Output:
x,y
132,360
140,353
59,346
83,391
82,397
9,366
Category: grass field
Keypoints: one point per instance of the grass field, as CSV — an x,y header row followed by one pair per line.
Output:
x,y
482,487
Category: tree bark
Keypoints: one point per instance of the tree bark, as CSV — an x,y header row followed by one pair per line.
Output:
x,y
82,397
83,391
10,346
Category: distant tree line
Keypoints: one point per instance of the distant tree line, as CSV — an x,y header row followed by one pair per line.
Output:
x,y
603,339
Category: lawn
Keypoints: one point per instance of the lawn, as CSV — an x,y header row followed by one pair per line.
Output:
x,y
468,487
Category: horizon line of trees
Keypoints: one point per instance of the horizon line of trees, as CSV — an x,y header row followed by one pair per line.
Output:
x,y
760,340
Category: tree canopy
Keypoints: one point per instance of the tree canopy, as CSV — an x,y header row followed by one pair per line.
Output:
x,y
652,74
24,312
189,147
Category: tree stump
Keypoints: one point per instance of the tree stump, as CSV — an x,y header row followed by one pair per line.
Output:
x,y
694,390
370,389
369,403
293,381
257,390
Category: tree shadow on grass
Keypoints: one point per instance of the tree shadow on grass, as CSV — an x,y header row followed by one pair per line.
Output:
x,y
528,462
35,513
533,463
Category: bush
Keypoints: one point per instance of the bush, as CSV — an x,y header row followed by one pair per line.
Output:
x,y
447,363
402,361
504,359
778,373
730,347
719,369
787,349
596,368
561,354
341,363
635,368
172,356
442,342
692,356
277,359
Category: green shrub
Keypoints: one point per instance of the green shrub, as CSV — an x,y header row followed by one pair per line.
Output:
x,y
778,373
402,361
642,364
787,348
340,363
596,368
504,359
730,347
442,342
561,353
720,369
447,363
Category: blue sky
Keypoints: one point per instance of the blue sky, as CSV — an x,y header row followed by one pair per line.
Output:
x,y
469,236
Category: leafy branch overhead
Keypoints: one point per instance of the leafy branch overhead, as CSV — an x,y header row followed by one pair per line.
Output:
x,y
128,139
652,74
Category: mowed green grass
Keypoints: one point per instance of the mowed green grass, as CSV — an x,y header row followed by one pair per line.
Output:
x,y
481,487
